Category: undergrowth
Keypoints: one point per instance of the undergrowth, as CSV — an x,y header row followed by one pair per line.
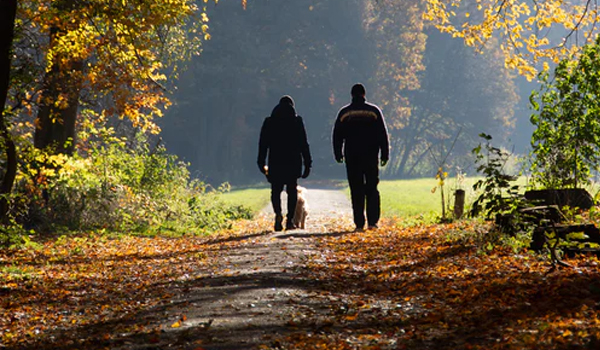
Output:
x,y
116,187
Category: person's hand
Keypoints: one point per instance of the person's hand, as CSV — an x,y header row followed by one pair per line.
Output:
x,y
306,172
384,162
340,160
263,169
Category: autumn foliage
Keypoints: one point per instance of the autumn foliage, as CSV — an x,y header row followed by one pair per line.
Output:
x,y
445,286
124,51
434,287
71,284
422,287
85,72
533,34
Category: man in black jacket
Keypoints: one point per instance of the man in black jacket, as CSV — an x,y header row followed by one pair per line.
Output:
x,y
283,137
359,137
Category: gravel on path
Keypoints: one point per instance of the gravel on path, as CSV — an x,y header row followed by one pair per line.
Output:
x,y
254,289
323,205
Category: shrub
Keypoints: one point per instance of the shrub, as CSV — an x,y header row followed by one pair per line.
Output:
x,y
119,188
498,194
565,143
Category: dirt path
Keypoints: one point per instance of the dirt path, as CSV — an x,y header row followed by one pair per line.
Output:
x,y
254,290
324,205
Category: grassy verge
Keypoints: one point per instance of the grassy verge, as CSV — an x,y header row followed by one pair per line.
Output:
x,y
399,198
254,199
419,198
406,199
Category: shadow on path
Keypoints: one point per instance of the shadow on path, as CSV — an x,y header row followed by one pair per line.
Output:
x,y
246,297
252,292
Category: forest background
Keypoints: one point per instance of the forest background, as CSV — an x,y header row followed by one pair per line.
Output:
x,y
431,87
128,115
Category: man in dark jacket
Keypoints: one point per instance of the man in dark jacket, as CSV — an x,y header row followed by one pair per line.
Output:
x,y
359,137
283,137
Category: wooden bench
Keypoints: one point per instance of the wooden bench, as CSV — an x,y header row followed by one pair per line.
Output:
x,y
572,197
548,219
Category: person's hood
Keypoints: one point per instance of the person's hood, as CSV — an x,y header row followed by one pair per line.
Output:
x,y
283,110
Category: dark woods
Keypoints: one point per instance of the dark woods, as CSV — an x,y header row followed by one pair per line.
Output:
x,y
427,93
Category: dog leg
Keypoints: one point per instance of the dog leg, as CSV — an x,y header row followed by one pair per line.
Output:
x,y
303,222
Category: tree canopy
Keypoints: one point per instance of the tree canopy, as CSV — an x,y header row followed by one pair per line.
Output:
x,y
77,66
108,58
533,33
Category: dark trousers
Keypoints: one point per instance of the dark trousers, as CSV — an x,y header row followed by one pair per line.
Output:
x,y
363,178
292,194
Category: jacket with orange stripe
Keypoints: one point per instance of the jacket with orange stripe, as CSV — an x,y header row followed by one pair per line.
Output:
x,y
360,133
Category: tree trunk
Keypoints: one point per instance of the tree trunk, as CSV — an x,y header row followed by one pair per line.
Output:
x,y
8,9
409,148
55,124
416,162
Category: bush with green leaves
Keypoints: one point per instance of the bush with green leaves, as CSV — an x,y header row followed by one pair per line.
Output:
x,y
497,193
499,199
566,140
122,188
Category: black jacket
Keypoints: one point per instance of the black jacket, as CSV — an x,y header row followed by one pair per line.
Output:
x,y
283,137
360,129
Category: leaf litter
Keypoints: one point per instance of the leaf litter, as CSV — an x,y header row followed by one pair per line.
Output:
x,y
392,288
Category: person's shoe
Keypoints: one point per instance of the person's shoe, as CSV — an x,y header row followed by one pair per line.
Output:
x,y
372,227
359,229
289,225
278,223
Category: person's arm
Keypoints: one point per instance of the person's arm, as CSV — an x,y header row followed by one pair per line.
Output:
x,y
338,139
305,146
304,149
263,146
384,142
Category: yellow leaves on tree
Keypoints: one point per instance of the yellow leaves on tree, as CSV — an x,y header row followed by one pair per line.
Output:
x,y
126,48
532,32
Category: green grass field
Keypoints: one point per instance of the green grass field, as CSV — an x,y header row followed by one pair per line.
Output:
x,y
410,198
399,198
253,198
415,198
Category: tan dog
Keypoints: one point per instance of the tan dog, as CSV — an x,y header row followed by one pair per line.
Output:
x,y
301,209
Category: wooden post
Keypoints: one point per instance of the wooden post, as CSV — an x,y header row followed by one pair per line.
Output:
x,y
443,204
459,204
